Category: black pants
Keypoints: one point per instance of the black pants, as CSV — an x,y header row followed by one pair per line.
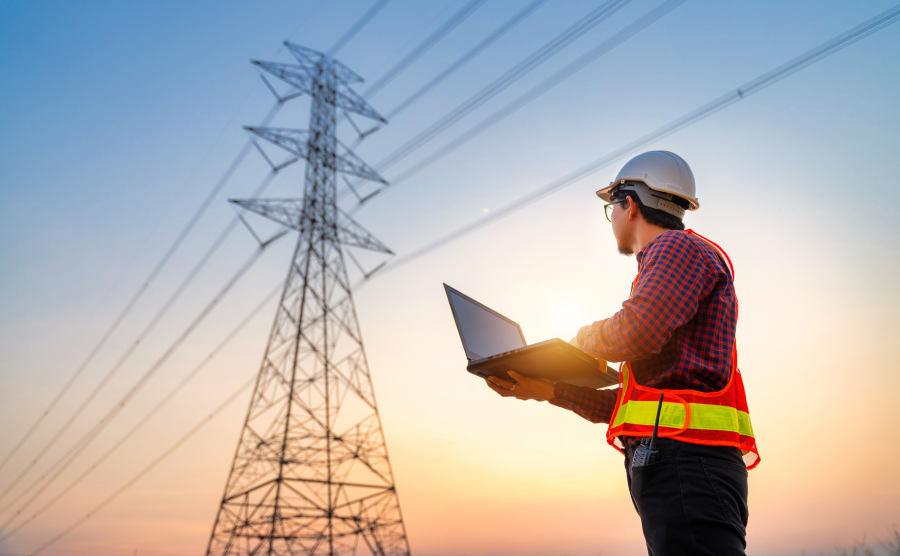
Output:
x,y
692,500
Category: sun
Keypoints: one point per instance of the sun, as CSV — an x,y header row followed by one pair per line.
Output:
x,y
564,318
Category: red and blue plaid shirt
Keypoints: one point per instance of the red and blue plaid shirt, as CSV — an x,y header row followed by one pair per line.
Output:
x,y
677,329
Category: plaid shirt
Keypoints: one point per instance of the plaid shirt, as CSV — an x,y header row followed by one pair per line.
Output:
x,y
677,329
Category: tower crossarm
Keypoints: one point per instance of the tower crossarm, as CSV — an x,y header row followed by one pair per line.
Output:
x,y
349,163
299,77
349,100
308,56
302,78
354,235
289,213
296,142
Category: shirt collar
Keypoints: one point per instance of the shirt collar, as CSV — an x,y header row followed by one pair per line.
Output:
x,y
640,256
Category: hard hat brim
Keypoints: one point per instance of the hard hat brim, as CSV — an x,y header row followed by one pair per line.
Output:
x,y
607,191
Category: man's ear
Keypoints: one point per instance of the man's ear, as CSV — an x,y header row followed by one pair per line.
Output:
x,y
633,210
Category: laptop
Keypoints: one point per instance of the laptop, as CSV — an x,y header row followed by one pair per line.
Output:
x,y
495,344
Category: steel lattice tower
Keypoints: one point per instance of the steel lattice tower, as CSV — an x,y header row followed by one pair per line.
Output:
x,y
311,473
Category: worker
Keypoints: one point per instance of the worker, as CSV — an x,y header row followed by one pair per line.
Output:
x,y
675,337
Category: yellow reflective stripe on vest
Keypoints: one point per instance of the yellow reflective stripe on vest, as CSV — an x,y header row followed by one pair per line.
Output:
x,y
625,374
703,416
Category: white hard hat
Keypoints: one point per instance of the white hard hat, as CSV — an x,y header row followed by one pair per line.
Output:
x,y
662,171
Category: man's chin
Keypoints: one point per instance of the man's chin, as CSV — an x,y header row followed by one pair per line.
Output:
x,y
625,250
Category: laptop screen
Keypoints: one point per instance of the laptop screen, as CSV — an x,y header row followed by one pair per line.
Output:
x,y
483,332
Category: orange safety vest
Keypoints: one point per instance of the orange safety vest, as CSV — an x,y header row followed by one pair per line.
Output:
x,y
712,418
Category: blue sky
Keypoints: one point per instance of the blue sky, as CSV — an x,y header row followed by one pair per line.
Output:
x,y
118,118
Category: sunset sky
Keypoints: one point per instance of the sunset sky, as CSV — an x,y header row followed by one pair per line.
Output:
x,y
119,118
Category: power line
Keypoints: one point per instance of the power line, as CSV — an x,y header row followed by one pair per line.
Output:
x,y
423,47
146,470
85,441
555,45
172,393
420,30
465,58
133,347
538,57
357,27
460,62
140,248
143,288
804,60
554,80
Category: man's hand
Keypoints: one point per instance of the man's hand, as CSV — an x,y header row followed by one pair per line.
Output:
x,y
583,333
522,387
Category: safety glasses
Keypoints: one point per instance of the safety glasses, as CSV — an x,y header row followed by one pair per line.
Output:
x,y
608,207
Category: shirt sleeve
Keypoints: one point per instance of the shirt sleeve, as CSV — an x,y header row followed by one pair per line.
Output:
x,y
594,405
673,278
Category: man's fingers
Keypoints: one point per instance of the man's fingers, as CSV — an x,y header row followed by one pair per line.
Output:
x,y
500,382
505,392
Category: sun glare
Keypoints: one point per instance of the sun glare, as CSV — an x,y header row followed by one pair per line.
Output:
x,y
563,318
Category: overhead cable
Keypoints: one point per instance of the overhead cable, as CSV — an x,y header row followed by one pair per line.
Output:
x,y
555,45
143,288
552,81
146,470
767,79
423,47
137,342
534,60
357,27
465,58
462,60
6,533
114,411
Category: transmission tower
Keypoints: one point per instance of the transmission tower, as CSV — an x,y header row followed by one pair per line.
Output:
x,y
311,473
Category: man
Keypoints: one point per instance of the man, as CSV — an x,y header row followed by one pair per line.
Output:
x,y
676,338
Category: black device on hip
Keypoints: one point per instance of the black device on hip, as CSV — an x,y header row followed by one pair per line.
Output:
x,y
646,453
